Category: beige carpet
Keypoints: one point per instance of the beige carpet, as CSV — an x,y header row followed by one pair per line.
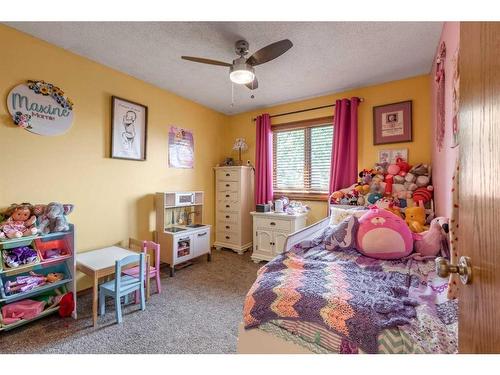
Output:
x,y
198,311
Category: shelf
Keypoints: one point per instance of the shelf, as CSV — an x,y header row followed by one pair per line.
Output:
x,y
60,268
31,238
29,267
26,321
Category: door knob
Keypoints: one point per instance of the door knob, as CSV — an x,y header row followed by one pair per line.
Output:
x,y
464,268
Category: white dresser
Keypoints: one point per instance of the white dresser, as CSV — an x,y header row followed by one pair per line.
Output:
x,y
234,199
270,231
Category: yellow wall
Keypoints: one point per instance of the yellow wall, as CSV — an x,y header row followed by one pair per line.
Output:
x,y
113,198
417,89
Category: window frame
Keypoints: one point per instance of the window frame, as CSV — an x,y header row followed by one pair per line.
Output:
x,y
307,125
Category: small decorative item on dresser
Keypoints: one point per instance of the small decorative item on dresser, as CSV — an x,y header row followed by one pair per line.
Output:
x,y
240,145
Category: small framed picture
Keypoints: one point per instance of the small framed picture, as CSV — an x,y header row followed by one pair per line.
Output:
x,y
390,156
129,129
392,123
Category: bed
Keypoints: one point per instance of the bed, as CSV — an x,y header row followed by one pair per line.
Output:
x,y
312,300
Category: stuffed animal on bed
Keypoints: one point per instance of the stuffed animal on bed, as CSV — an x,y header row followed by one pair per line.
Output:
x,y
429,243
383,235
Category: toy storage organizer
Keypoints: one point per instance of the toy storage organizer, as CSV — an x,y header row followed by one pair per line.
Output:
x,y
44,264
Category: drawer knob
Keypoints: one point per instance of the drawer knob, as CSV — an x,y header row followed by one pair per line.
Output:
x,y
227,185
272,223
227,195
227,216
227,175
227,237
227,226
202,234
227,206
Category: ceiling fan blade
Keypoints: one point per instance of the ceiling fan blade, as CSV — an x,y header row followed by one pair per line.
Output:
x,y
270,52
253,85
205,61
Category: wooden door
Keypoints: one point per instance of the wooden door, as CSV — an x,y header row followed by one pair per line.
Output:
x,y
479,194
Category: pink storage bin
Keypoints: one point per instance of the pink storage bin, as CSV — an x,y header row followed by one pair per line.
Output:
x,y
25,309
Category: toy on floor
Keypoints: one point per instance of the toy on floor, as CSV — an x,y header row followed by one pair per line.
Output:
x,y
53,219
21,222
429,243
31,281
19,256
415,218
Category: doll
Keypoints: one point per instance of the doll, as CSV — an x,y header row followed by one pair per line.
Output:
x,y
31,281
21,222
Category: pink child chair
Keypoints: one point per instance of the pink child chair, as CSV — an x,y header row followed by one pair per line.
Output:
x,y
154,271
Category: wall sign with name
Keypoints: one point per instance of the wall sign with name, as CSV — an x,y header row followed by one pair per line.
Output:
x,y
40,108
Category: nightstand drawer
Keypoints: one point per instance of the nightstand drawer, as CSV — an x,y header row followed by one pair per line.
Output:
x,y
276,224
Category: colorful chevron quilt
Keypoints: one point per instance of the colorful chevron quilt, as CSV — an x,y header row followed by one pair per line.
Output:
x,y
345,293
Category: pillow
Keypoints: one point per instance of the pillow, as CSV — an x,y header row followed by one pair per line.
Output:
x,y
383,235
339,214
342,236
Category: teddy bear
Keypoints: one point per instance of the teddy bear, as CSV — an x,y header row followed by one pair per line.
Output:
x,y
415,218
21,222
53,218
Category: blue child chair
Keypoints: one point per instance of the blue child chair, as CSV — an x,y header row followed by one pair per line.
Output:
x,y
123,285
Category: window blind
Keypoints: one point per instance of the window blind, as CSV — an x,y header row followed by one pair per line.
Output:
x,y
301,157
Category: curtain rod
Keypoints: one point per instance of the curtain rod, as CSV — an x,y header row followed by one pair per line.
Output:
x,y
306,110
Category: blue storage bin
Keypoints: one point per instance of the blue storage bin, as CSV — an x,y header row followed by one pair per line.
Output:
x,y
39,269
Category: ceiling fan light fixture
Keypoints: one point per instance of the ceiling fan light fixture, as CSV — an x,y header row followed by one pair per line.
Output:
x,y
241,74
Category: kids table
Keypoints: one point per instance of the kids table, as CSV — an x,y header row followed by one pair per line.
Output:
x,y
100,263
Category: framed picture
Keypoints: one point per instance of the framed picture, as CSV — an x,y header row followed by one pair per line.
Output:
x,y
129,129
390,156
392,123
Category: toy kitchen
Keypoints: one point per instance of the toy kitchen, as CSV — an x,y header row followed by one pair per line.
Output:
x,y
180,232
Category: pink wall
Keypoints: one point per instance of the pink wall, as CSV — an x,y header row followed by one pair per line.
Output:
x,y
443,162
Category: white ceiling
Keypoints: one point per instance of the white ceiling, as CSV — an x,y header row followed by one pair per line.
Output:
x,y
326,57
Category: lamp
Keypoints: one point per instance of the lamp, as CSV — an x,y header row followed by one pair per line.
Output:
x,y
240,145
241,73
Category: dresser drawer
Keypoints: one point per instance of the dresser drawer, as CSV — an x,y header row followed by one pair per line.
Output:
x,y
264,223
228,217
228,206
227,175
228,196
228,186
225,227
228,237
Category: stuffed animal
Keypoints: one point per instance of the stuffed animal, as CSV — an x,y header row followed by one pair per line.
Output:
x,y
415,218
383,235
429,243
21,222
54,219
423,194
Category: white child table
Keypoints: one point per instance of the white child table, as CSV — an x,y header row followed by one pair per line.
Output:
x,y
100,263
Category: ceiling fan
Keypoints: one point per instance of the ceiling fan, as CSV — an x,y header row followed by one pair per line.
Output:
x,y
241,71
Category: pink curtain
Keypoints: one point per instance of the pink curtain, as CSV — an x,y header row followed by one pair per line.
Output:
x,y
344,164
263,160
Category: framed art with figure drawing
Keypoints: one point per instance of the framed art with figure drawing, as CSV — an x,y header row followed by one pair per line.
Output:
x,y
392,123
129,124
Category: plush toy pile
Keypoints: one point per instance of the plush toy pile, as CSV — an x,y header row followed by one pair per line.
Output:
x,y
26,219
400,188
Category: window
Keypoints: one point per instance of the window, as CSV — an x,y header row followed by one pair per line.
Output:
x,y
301,158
